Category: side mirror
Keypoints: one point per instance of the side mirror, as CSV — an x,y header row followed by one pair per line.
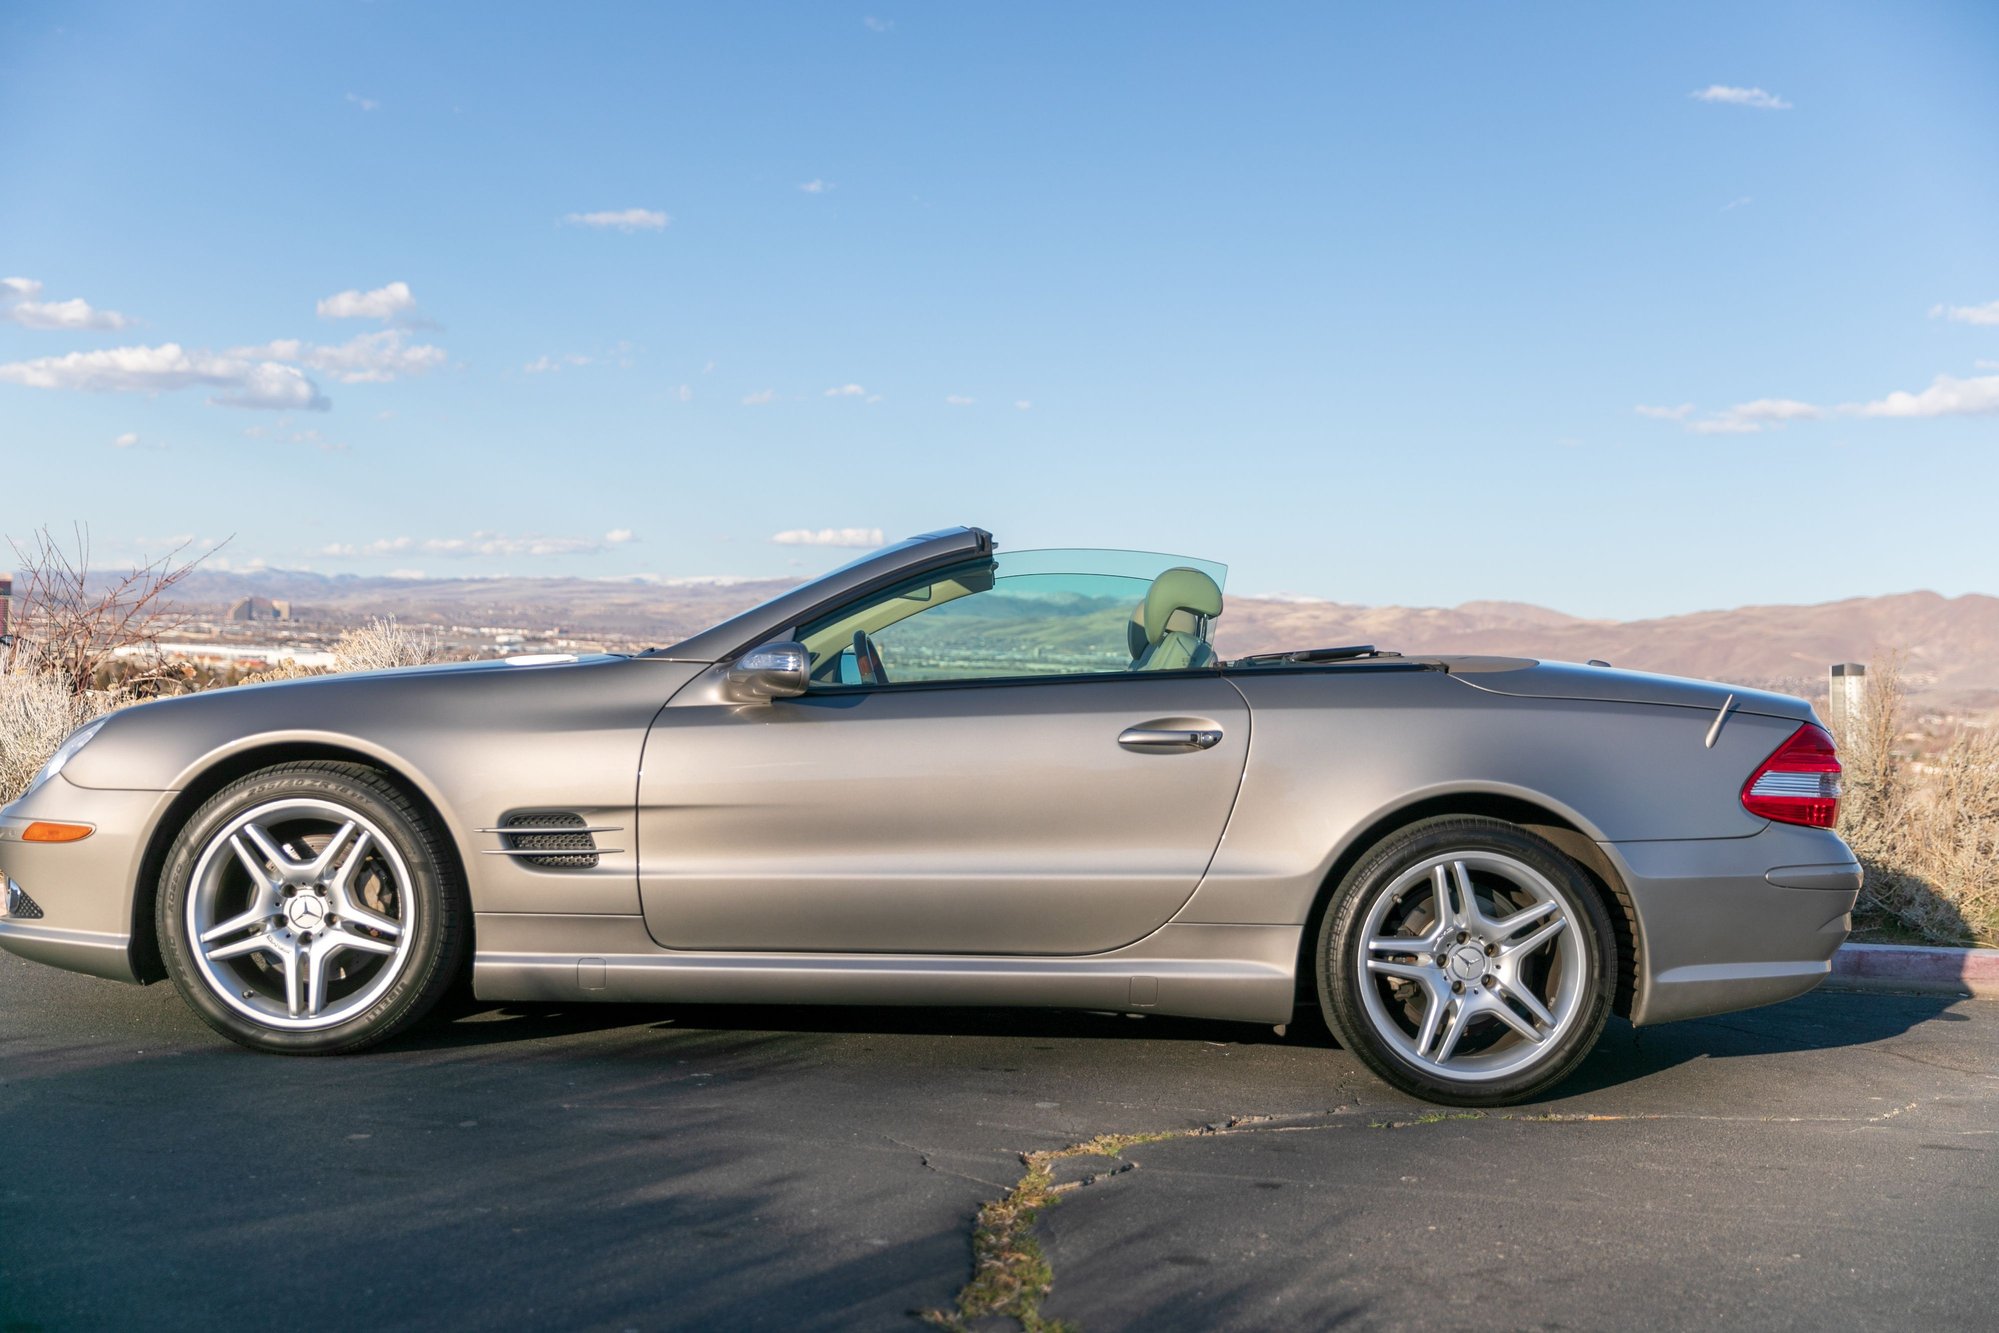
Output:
x,y
774,671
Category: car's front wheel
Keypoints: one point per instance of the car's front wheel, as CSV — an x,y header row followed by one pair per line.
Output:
x,y
309,909
1467,961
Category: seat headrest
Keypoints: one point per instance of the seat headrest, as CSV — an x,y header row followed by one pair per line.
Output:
x,y
1179,589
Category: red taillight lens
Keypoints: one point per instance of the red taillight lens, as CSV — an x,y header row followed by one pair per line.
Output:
x,y
1800,783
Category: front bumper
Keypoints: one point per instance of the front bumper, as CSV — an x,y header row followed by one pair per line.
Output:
x,y
1732,923
84,891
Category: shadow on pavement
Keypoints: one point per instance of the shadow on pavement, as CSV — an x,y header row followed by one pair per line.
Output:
x,y
1833,1020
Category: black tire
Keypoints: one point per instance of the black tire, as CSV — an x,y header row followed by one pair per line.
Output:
x,y
428,904
1381,1019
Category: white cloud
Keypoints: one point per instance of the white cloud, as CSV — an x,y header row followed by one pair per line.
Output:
x,y
623,219
1751,417
1734,204
1749,97
19,305
959,400
478,544
618,537
857,537
1947,396
1742,419
1724,424
1775,411
684,393
1967,314
1022,404
816,186
494,543
878,25
365,103
543,365
760,397
846,391
384,546
382,303
244,381
127,440
368,358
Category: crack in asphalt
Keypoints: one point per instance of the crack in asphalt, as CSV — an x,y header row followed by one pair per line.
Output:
x,y
1011,1275
923,1159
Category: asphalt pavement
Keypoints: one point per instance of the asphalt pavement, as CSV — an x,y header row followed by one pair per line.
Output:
x,y
1832,1162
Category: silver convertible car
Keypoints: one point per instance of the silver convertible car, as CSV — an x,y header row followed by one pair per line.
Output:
x,y
947,774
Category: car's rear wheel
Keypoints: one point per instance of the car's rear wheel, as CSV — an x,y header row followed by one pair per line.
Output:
x,y
309,909
1467,961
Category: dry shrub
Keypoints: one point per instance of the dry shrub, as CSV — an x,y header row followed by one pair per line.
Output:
x,y
1929,839
387,643
36,713
71,624
284,670
67,631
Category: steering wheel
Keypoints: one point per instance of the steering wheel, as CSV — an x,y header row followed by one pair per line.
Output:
x,y
868,659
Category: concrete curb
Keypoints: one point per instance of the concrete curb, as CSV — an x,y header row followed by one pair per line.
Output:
x,y
1906,967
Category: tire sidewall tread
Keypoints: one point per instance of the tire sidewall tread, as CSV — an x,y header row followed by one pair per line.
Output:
x,y
1338,981
437,954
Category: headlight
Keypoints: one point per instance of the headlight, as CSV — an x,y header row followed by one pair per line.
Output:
x,y
66,751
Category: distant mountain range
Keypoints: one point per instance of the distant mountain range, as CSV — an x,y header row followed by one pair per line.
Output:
x,y
1950,644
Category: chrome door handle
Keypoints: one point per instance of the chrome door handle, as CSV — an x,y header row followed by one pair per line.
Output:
x,y
1165,738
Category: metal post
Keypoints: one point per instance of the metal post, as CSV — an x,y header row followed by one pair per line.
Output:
x,y
1846,698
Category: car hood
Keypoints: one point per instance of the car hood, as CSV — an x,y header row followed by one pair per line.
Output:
x,y
1530,679
482,666
153,745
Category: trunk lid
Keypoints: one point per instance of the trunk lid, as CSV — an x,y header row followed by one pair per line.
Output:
x,y
1525,678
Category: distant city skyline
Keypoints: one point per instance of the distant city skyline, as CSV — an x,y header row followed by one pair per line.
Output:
x,y
1623,312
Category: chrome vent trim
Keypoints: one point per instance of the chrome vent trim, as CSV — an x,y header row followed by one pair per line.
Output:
x,y
554,839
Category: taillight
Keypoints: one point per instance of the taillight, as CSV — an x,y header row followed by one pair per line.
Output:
x,y
1800,783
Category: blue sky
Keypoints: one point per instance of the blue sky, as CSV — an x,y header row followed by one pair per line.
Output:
x,y
1364,300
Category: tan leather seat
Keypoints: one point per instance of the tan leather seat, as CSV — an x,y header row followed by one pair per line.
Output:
x,y
1175,612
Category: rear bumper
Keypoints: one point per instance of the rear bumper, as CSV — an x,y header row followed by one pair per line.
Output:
x,y
82,891
1732,923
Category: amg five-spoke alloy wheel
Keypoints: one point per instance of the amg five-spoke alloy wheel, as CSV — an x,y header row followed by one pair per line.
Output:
x,y
1467,961
306,909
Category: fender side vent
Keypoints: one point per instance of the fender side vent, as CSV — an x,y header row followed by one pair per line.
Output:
x,y
20,906
556,840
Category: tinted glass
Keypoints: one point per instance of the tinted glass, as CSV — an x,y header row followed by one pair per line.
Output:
x,y
1025,613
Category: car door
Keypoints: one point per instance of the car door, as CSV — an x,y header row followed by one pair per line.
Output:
x,y
1001,818
981,766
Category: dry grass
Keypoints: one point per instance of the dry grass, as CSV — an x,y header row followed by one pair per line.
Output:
x,y
1010,1274
1928,836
